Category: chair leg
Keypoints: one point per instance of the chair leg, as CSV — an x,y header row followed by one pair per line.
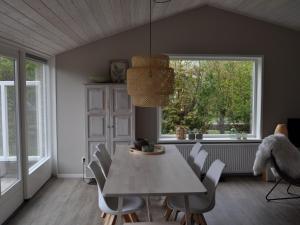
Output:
x,y
102,215
282,198
107,219
199,219
113,220
168,213
126,218
133,217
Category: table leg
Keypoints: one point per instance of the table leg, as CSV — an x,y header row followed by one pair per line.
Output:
x,y
119,215
148,209
187,210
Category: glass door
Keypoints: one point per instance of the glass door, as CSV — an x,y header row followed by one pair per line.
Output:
x,y
9,155
11,183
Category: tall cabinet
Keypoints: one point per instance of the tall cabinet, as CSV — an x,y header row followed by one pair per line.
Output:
x,y
110,117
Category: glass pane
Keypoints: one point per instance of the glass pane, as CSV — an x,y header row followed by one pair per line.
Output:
x,y
8,155
35,111
211,97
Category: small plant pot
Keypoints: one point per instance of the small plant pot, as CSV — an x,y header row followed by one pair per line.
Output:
x,y
199,136
191,136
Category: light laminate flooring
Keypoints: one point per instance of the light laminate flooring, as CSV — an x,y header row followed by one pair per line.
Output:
x,y
240,201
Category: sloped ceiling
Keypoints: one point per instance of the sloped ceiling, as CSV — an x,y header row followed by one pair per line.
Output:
x,y
55,26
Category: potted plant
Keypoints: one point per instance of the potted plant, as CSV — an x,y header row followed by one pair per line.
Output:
x,y
180,132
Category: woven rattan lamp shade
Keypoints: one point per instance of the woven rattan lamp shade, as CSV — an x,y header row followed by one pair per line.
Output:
x,y
150,81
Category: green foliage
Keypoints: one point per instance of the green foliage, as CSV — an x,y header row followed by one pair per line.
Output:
x,y
210,95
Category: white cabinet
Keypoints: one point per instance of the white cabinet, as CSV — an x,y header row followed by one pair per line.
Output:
x,y
109,117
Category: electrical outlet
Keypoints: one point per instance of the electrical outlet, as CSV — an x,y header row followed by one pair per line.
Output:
x,y
83,159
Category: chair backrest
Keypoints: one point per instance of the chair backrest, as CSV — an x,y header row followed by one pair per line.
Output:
x,y
104,163
193,154
99,176
102,148
199,162
111,203
211,180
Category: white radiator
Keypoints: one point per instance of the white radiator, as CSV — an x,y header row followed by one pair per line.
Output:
x,y
238,157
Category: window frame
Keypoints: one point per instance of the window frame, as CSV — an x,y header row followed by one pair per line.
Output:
x,y
47,114
257,81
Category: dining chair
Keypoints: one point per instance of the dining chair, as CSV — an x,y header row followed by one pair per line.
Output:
x,y
199,204
193,154
104,163
109,205
200,162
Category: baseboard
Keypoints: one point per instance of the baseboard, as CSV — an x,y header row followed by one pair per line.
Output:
x,y
69,175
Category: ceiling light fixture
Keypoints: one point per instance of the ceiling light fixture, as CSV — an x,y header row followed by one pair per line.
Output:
x,y
150,81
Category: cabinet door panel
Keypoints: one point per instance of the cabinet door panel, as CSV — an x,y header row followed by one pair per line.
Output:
x,y
122,126
97,126
121,100
96,99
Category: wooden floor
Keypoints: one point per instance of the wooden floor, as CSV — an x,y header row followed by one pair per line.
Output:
x,y
240,201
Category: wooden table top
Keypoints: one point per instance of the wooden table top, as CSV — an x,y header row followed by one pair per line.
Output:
x,y
166,174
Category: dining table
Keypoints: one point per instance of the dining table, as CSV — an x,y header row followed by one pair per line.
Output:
x,y
166,174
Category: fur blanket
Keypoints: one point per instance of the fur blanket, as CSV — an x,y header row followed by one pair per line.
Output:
x,y
287,156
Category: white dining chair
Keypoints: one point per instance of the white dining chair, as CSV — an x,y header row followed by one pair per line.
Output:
x,y
104,163
199,204
193,154
200,162
110,205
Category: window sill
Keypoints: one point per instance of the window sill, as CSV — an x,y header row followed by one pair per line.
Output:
x,y
207,140
38,165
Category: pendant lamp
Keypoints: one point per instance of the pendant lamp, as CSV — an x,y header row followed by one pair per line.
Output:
x,y
150,80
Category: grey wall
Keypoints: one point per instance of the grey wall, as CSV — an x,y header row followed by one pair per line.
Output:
x,y
205,30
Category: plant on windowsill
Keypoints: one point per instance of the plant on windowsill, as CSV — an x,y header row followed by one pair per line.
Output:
x,y
180,132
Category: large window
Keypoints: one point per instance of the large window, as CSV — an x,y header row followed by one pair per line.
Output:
x,y
36,110
219,97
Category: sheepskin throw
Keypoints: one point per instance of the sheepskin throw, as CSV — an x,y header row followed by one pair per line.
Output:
x,y
287,156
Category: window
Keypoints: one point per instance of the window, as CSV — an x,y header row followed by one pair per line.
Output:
x,y
219,97
36,110
9,166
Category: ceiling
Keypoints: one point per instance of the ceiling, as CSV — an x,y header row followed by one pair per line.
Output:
x,y
55,26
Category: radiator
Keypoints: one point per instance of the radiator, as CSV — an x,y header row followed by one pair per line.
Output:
x,y
238,157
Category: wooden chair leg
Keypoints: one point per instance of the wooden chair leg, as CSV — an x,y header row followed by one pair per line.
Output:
x,y
107,219
112,220
126,218
133,217
199,219
168,213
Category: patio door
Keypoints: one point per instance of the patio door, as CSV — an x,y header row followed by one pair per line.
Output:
x,y
11,188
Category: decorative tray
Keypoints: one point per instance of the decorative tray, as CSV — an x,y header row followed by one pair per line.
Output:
x,y
158,150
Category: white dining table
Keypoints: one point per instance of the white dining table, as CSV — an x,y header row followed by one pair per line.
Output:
x,y
167,174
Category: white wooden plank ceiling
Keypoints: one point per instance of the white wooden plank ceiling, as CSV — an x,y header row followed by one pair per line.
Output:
x,y
54,26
